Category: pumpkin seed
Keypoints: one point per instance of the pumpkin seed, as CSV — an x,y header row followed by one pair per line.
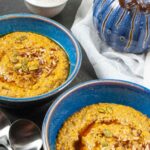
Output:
x,y
14,59
15,53
109,110
18,66
25,61
33,67
101,110
24,64
24,68
21,39
5,88
104,143
107,133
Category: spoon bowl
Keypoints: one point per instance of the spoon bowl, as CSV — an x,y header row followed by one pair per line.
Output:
x,y
25,135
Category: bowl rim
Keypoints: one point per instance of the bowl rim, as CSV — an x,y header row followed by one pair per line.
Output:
x,y
72,75
47,119
53,6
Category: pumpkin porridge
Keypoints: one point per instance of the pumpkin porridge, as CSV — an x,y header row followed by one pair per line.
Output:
x,y
30,65
105,127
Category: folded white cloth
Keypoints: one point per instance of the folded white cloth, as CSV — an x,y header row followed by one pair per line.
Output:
x,y
107,63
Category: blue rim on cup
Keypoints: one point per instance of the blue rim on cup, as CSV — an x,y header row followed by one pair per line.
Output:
x,y
29,23
135,96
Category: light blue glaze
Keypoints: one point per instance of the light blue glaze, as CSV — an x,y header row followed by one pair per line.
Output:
x,y
51,29
92,92
124,30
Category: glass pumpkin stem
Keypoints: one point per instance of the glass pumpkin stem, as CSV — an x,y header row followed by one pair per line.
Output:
x,y
141,5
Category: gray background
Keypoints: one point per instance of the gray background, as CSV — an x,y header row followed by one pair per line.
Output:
x,y
66,18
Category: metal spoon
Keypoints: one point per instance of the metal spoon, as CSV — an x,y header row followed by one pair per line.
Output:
x,y
4,128
5,147
25,135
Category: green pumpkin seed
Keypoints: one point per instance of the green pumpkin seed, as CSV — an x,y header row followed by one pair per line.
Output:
x,y
18,66
13,60
5,88
25,61
109,110
101,110
25,68
107,133
21,39
104,144
33,67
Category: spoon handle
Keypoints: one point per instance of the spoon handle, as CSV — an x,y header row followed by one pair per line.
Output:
x,y
8,147
5,147
5,143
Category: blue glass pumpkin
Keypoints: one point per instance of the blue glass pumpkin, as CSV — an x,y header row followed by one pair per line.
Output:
x,y
123,24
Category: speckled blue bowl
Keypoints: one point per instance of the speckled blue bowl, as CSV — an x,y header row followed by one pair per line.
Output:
x,y
110,91
48,28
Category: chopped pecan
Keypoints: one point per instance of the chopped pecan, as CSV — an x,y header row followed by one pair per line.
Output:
x,y
53,49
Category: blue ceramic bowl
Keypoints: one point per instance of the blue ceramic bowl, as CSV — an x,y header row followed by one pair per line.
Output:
x,y
110,91
50,29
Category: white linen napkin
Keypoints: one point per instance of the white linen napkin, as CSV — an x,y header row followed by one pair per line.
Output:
x,y
107,63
